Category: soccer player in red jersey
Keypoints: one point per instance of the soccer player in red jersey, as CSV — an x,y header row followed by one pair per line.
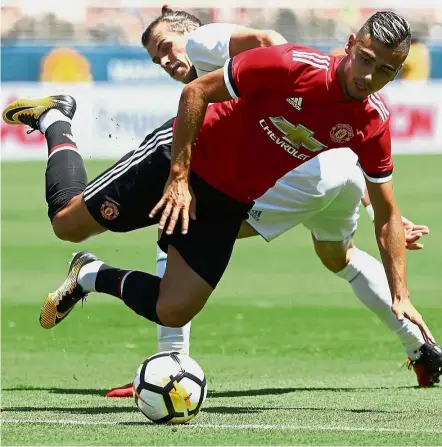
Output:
x,y
240,147
322,194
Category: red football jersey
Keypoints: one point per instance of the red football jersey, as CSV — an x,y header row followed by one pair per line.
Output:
x,y
287,107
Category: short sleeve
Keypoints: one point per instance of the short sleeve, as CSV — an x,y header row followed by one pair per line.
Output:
x,y
375,156
208,46
260,69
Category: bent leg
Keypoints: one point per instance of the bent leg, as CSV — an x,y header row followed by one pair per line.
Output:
x,y
65,172
65,181
296,197
118,200
171,301
332,231
75,223
178,338
334,255
171,338
196,263
367,278
183,293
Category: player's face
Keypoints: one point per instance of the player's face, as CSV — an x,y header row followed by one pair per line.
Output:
x,y
168,49
368,66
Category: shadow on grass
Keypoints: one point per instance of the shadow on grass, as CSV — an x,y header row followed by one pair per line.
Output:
x,y
83,391
277,391
253,410
215,394
72,410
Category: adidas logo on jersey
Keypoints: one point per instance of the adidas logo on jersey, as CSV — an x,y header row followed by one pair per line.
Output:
x,y
295,102
255,214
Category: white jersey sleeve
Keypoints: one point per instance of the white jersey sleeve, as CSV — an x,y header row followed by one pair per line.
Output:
x,y
208,46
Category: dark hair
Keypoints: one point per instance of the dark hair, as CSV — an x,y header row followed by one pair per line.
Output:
x,y
178,21
390,29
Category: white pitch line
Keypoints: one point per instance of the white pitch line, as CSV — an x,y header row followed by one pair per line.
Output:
x,y
228,427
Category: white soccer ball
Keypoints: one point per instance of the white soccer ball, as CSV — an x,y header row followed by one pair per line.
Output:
x,y
170,388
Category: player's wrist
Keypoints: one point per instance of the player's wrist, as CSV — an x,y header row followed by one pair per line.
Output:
x,y
401,296
179,172
370,212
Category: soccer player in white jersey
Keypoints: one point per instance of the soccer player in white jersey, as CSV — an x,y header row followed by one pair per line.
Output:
x,y
323,194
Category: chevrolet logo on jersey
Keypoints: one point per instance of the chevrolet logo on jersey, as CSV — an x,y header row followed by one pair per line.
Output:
x,y
282,142
297,135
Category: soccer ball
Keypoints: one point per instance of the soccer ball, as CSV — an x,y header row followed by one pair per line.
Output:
x,y
170,388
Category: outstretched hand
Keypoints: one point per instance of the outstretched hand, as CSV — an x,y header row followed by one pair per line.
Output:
x,y
413,233
405,309
178,200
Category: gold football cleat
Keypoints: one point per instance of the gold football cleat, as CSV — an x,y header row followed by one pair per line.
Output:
x,y
29,111
60,303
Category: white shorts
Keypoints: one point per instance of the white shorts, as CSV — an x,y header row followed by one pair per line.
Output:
x,y
322,194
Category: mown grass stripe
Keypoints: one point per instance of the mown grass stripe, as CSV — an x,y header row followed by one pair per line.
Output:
x,y
226,426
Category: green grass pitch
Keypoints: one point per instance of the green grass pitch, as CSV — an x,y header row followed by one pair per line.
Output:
x,y
290,354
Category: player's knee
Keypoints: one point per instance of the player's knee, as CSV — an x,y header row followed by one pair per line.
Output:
x,y
173,319
173,315
333,255
64,231
332,263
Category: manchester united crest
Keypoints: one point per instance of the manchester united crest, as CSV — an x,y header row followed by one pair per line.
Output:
x,y
341,133
109,210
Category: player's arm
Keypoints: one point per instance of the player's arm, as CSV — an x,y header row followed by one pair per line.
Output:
x,y
178,201
243,39
391,242
209,46
390,237
375,160
413,232
194,100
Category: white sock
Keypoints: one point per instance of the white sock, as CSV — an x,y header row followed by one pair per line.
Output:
x,y
174,338
51,117
368,280
161,262
171,338
88,274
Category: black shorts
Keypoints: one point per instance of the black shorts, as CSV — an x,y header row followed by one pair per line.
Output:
x,y
122,197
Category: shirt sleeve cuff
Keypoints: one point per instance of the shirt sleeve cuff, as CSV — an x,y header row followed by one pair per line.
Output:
x,y
379,178
228,79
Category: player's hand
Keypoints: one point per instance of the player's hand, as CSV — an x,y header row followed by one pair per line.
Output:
x,y
177,200
413,233
405,309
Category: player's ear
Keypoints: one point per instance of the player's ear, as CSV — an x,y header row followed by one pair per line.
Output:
x,y
191,27
400,68
350,43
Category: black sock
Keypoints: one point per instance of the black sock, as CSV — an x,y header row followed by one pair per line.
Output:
x,y
65,173
138,290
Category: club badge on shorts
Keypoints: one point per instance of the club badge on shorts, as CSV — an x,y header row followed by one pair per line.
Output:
x,y
109,210
341,133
